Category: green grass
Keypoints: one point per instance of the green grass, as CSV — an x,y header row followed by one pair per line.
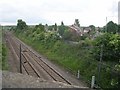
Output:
x,y
4,58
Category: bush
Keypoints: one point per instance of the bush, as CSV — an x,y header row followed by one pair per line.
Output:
x,y
111,47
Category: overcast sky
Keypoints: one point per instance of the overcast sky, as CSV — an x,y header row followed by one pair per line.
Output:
x,y
89,12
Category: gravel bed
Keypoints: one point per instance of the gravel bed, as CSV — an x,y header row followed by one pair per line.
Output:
x,y
17,80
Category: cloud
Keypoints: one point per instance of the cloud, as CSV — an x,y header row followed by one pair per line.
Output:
x,y
51,11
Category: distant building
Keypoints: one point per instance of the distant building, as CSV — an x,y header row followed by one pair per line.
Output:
x,y
80,30
86,30
76,29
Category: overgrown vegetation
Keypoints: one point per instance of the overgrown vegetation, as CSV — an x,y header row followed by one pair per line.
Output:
x,y
0,47
83,56
111,47
3,53
4,58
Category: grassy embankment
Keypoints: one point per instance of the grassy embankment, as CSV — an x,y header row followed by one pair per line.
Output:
x,y
4,58
3,54
84,56
71,57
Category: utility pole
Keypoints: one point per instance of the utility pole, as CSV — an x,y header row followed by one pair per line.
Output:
x,y
99,65
117,29
106,24
20,60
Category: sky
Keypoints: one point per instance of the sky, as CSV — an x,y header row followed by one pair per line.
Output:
x,y
89,12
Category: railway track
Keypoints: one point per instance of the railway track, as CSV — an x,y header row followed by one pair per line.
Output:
x,y
32,64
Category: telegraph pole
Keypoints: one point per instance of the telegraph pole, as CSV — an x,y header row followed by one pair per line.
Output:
x,y
99,65
106,24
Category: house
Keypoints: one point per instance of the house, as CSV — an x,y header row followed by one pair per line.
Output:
x,y
76,29
86,30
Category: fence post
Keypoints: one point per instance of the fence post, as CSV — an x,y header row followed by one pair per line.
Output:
x,y
93,82
20,60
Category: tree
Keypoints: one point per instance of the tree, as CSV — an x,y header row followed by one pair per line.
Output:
x,y
111,47
39,28
111,27
118,29
92,31
67,35
21,25
61,29
55,27
92,27
77,22
62,24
